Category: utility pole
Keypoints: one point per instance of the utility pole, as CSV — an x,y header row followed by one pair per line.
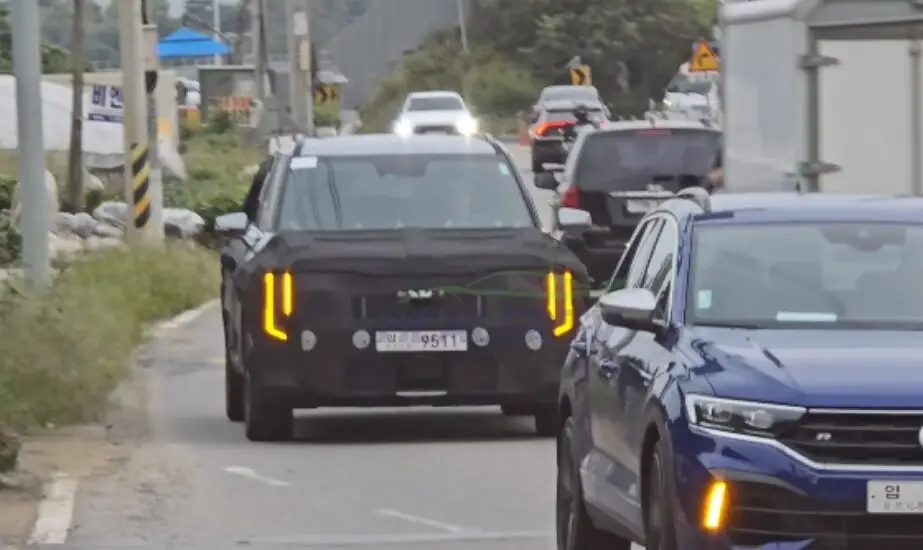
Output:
x,y
151,68
137,167
34,205
216,25
259,55
298,15
75,154
462,25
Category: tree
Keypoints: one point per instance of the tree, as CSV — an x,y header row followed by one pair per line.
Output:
x,y
633,46
74,196
55,59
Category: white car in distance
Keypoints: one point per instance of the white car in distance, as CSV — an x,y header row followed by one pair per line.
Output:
x,y
436,112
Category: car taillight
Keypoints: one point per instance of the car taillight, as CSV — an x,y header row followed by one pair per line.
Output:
x,y
559,293
544,129
571,198
278,301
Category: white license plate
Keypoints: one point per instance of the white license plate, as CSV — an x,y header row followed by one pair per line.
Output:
x,y
425,340
636,206
894,497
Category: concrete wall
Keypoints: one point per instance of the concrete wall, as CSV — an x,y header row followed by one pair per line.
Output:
x,y
165,93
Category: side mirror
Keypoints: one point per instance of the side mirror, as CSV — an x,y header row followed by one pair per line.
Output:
x,y
632,308
232,225
573,218
546,181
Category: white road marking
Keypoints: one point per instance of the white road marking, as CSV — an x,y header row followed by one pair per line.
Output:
x,y
56,511
249,473
421,521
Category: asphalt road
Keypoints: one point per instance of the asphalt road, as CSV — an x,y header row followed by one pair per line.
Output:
x,y
439,479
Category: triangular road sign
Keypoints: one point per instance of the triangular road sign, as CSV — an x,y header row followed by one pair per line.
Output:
x,y
704,59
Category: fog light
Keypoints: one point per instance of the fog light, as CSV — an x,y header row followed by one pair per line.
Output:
x,y
533,340
308,340
361,339
480,337
715,503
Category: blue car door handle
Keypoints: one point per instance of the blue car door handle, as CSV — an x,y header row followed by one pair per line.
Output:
x,y
608,369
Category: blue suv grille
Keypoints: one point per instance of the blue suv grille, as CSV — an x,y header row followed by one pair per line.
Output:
x,y
764,513
886,438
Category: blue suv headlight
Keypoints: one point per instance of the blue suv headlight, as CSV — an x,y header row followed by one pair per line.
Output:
x,y
741,417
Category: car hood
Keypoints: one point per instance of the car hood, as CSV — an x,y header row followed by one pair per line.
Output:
x,y
817,368
434,117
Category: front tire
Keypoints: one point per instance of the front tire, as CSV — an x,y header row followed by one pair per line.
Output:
x,y
233,380
233,392
575,529
660,495
266,420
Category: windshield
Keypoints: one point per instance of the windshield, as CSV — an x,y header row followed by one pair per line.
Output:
x,y
823,275
570,92
630,160
394,192
445,103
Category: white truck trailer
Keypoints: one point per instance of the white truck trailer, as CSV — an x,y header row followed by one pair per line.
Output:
x,y
823,94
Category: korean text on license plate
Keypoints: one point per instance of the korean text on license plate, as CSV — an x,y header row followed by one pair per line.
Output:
x,y
424,340
894,497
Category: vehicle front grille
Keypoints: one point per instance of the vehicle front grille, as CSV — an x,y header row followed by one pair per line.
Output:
x,y
859,437
445,129
761,514
389,307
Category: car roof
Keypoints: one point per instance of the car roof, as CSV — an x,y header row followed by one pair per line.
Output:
x,y
434,93
393,144
569,104
630,125
794,206
560,87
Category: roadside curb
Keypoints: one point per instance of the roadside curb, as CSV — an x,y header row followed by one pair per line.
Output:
x,y
180,320
128,404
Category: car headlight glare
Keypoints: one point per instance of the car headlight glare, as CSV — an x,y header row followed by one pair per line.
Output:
x,y
403,127
745,417
467,126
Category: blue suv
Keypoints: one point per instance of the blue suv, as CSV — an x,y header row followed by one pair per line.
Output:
x,y
753,378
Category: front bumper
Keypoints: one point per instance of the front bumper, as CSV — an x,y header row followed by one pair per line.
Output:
x,y
337,373
779,501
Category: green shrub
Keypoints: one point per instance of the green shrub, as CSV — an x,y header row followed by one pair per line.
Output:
x,y
216,183
7,189
63,351
10,240
327,114
221,123
494,87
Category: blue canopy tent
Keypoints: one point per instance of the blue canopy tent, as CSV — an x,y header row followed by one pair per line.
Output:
x,y
189,43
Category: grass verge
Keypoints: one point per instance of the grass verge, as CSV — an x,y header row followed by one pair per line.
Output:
x,y
63,352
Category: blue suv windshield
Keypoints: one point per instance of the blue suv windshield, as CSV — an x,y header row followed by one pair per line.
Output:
x,y
817,275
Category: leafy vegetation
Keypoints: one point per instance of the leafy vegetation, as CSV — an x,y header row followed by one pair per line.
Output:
x,y
633,47
55,59
218,178
63,351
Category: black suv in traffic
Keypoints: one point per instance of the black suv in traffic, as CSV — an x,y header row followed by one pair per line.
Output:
x,y
620,172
